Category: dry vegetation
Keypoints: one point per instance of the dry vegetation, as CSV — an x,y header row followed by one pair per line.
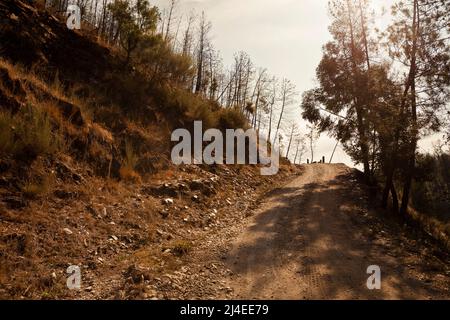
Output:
x,y
84,163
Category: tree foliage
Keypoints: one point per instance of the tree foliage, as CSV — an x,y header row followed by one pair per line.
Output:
x,y
380,97
134,22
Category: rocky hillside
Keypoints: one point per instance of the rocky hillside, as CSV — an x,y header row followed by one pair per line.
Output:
x,y
85,175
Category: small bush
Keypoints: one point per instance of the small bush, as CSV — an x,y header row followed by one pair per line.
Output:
x,y
159,63
127,171
28,134
129,175
181,248
131,159
33,190
40,137
201,110
182,107
232,119
6,136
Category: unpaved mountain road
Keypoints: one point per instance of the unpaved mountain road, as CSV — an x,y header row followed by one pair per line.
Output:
x,y
313,239
310,240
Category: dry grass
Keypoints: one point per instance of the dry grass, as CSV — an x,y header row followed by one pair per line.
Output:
x,y
131,157
129,175
36,189
41,128
435,228
55,88
7,133
17,72
127,171
181,248
102,133
28,134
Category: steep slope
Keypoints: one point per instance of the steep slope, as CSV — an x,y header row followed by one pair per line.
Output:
x,y
85,173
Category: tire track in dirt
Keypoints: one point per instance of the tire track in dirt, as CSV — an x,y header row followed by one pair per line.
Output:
x,y
310,240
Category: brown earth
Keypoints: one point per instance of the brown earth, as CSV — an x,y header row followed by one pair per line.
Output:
x,y
244,237
314,239
128,239
221,235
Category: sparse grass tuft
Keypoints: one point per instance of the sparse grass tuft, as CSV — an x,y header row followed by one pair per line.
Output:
x,y
232,118
180,248
34,190
28,134
127,171
432,226
6,136
129,175
131,157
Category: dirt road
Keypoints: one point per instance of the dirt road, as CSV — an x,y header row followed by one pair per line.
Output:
x,y
313,239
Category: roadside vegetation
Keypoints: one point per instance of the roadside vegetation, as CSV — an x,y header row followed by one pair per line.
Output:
x,y
381,91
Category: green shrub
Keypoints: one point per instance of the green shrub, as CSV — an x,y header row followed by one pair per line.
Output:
x,y
156,59
430,192
184,107
181,247
28,134
232,119
35,189
6,136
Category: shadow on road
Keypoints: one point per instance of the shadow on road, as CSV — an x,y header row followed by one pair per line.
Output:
x,y
316,240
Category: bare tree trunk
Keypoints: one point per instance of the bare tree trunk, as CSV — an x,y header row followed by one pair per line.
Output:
x,y
290,141
334,150
173,3
296,152
95,14
271,115
259,123
257,92
363,26
199,84
280,118
103,23
414,132
359,109
187,37
175,38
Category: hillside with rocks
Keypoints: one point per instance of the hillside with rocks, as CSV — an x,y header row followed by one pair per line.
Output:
x,y
87,180
85,175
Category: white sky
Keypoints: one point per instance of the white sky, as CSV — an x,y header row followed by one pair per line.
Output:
x,y
284,36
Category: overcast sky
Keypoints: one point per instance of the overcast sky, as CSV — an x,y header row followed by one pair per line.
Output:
x,y
284,36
